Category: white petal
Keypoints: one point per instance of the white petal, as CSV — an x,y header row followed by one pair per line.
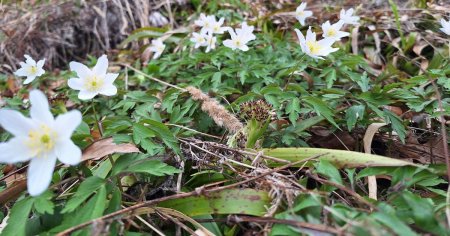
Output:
x,y
244,48
108,90
14,151
15,123
81,70
40,173
40,109
110,77
29,79
40,63
22,72
29,60
229,44
66,123
102,66
68,153
86,95
75,83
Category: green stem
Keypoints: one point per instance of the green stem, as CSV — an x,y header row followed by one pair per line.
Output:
x,y
296,66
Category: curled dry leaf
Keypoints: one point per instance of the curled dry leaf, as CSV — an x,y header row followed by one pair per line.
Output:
x,y
105,147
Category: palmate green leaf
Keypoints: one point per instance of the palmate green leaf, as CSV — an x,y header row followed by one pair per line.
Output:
x,y
231,201
387,217
18,218
43,203
94,208
339,158
396,124
85,190
325,168
321,108
152,167
293,109
140,133
163,133
352,114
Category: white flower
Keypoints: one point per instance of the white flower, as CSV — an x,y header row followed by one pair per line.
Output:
x,y
210,25
333,31
210,42
240,38
157,48
301,14
41,139
198,39
204,21
93,82
348,18
157,19
312,47
445,26
30,69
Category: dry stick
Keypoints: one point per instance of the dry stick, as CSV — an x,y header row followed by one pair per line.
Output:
x,y
152,78
445,144
178,196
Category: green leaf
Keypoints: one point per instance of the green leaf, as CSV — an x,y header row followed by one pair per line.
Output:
x,y
86,189
152,167
43,203
327,169
321,109
293,109
164,134
231,201
330,76
352,114
393,222
18,217
140,133
339,158
396,123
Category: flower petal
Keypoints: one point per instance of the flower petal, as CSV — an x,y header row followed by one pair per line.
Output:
x,y
110,77
15,123
29,79
40,173
40,109
86,95
40,63
101,67
68,153
14,151
75,83
22,71
108,90
66,123
81,70
29,60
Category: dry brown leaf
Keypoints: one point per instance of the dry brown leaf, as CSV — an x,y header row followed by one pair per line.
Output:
x,y
105,147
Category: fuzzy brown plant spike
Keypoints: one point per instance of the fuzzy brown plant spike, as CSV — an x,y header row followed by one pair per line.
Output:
x,y
217,112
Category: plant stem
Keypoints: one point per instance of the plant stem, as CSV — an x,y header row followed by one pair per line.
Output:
x,y
100,129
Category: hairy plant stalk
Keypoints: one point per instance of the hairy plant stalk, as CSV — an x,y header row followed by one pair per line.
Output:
x,y
217,112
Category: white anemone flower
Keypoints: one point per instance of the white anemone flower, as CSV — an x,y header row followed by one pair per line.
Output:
x,y
157,48
445,26
199,39
204,20
312,47
210,42
41,139
93,82
240,38
30,69
301,14
334,31
348,18
211,25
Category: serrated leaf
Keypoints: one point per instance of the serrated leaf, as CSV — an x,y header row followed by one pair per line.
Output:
x,y
140,132
152,167
293,109
321,108
43,203
396,123
164,134
352,114
84,191
325,168
18,217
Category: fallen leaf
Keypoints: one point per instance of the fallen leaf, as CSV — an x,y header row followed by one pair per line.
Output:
x,y
104,147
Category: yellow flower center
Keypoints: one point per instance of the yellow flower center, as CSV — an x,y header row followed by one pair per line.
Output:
x,y
32,70
41,140
216,28
300,13
314,47
93,83
238,43
331,32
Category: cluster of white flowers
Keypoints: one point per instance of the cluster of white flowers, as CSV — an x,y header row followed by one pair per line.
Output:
x,y
42,139
210,26
317,49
